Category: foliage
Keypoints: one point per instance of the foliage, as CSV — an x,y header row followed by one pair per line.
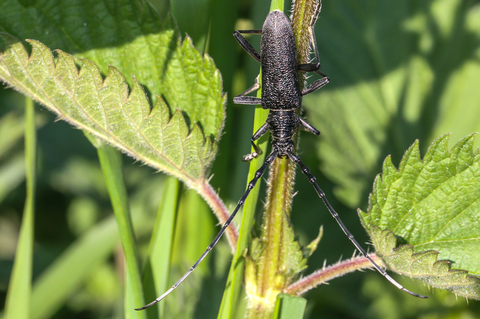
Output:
x,y
432,206
399,71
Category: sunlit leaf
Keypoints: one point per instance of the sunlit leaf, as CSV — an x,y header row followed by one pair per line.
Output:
x,y
430,207
110,110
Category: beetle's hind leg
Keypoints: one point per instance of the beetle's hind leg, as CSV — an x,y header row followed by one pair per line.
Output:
x,y
304,125
249,100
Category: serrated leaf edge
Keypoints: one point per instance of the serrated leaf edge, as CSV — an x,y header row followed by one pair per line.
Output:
x,y
88,68
460,281
200,184
439,270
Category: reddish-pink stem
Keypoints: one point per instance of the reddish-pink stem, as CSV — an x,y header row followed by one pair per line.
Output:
x,y
328,273
221,211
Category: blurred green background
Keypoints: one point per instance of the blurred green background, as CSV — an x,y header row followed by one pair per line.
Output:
x,y
399,71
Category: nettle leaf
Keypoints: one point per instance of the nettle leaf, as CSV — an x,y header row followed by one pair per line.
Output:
x,y
178,135
107,108
134,38
431,209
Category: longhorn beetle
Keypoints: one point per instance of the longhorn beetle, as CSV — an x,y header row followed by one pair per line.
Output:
x,y
281,95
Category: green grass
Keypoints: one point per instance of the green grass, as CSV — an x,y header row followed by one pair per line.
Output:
x,y
108,234
17,304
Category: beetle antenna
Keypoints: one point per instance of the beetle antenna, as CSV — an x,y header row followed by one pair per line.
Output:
x,y
251,185
335,215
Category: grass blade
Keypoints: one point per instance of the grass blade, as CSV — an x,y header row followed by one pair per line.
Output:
x,y
63,277
156,273
289,307
235,276
111,163
17,305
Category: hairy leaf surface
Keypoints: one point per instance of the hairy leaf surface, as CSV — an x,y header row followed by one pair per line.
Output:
x,y
178,135
108,109
431,204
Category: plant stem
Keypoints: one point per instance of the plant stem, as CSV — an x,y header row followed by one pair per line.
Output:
x,y
276,258
270,279
326,274
277,210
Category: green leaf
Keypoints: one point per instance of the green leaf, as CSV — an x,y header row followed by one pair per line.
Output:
x,y
137,42
289,307
431,208
106,109
310,248
399,71
131,36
